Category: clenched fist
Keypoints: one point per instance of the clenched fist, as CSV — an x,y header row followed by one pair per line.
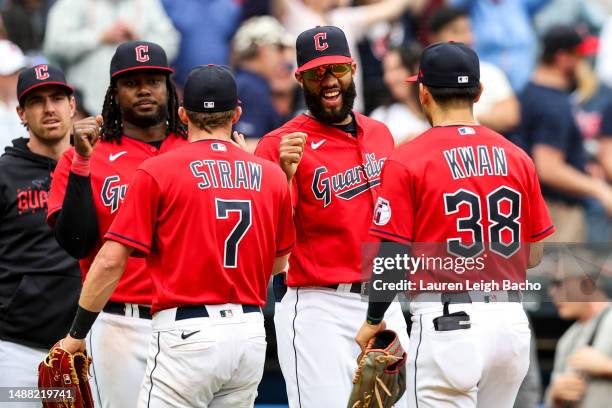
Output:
x,y
291,151
86,133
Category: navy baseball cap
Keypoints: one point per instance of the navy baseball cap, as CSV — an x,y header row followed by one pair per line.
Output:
x,y
320,46
138,55
448,65
568,38
37,76
210,88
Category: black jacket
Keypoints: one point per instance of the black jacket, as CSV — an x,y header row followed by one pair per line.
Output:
x,y
39,282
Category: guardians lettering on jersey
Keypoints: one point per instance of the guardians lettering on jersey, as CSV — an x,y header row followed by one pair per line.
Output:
x,y
347,184
463,163
225,174
34,196
113,192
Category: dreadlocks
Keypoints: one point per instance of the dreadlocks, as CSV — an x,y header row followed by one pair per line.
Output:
x,y
112,127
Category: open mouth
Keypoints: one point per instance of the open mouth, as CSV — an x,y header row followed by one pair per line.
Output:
x,y
331,97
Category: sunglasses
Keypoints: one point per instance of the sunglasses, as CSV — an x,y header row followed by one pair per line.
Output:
x,y
318,73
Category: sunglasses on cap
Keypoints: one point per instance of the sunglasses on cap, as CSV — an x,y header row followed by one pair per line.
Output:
x,y
318,73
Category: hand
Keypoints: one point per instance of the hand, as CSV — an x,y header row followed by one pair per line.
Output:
x,y
117,33
591,361
86,133
368,331
567,387
72,345
604,195
291,151
239,141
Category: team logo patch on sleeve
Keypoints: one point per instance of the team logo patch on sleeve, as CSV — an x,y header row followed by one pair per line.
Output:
x,y
218,147
382,212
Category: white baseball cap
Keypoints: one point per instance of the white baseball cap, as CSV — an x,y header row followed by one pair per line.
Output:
x,y
11,58
261,30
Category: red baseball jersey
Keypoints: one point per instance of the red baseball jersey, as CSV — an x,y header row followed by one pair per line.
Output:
x,y
211,219
112,168
463,192
334,192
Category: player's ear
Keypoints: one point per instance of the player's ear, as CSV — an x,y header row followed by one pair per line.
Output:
x,y
72,104
183,115
21,113
423,94
237,114
298,77
353,68
479,93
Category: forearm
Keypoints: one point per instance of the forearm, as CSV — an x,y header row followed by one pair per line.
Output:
x,y
605,155
76,228
380,300
103,276
502,117
565,178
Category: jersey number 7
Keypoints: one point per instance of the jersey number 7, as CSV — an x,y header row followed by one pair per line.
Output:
x,y
243,208
499,222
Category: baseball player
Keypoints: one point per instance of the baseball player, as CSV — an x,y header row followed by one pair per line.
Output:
x,y
209,275
140,121
333,179
468,192
39,281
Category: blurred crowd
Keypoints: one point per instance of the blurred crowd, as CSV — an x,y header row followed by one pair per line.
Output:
x,y
546,69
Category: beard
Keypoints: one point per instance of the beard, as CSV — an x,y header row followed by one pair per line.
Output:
x,y
145,120
335,115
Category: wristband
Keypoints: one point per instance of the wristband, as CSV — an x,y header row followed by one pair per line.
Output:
x,y
80,165
374,321
82,322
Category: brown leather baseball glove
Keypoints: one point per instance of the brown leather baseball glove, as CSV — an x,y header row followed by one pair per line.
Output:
x,y
380,380
60,369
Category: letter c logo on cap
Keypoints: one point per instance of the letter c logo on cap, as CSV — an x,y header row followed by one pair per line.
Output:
x,y
41,72
320,43
142,53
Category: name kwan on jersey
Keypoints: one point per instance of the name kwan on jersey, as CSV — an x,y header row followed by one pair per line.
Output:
x,y
349,183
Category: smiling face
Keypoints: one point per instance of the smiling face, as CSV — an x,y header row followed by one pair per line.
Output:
x,y
48,112
329,99
143,98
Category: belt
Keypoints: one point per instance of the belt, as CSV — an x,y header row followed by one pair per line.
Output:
x,y
128,309
355,286
486,297
191,312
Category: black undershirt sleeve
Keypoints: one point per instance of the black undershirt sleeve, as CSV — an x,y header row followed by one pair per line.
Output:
x,y
76,227
380,300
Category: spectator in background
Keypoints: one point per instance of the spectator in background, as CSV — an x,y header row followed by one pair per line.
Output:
x,y
404,117
257,51
504,35
11,62
82,35
498,107
300,15
206,29
39,282
605,142
549,133
592,98
587,14
582,372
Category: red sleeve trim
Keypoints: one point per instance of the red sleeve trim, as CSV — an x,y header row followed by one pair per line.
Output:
x,y
285,251
392,237
541,235
127,241
51,215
